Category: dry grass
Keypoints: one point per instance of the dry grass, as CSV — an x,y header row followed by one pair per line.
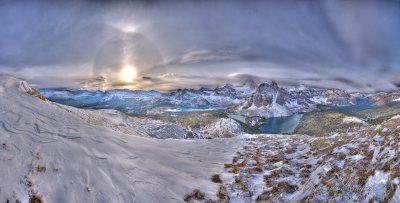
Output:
x,y
40,169
216,179
264,197
341,174
196,194
258,169
222,194
35,199
324,123
391,189
396,172
234,167
36,93
378,115
268,181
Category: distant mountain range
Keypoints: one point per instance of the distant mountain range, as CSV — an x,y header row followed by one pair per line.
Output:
x,y
250,100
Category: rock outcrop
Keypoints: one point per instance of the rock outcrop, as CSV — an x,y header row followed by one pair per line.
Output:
x,y
266,95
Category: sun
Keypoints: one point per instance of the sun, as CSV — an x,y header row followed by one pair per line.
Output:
x,y
128,74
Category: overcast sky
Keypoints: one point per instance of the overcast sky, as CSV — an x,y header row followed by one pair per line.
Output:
x,y
177,44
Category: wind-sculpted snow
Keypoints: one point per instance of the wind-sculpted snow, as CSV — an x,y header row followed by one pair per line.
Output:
x,y
61,154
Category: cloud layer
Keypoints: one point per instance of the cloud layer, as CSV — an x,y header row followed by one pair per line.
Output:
x,y
350,44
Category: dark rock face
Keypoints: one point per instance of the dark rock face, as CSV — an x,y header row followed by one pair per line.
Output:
x,y
266,95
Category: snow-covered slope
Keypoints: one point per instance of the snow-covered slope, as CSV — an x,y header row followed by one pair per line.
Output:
x,y
51,153
360,164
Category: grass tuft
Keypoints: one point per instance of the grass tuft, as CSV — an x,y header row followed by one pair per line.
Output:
x,y
216,178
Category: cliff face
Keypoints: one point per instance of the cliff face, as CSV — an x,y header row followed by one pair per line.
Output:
x,y
267,95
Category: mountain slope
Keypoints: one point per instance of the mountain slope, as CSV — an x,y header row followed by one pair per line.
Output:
x,y
49,153
359,163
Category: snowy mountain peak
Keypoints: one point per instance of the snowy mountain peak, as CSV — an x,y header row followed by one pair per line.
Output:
x,y
250,84
267,95
271,100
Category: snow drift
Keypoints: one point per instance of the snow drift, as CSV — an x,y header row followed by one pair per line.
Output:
x,y
48,152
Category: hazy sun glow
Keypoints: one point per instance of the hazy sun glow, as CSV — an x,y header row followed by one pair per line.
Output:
x,y
128,74
125,27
